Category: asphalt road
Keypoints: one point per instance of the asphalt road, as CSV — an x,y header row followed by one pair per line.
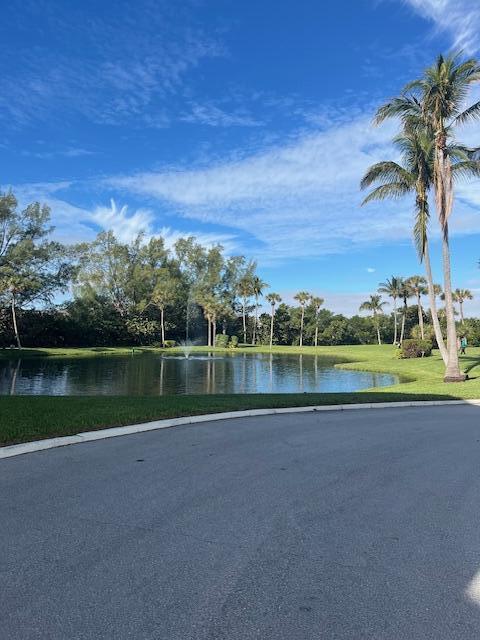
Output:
x,y
343,525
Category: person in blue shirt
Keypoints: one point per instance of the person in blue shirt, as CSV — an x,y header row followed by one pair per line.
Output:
x,y
463,344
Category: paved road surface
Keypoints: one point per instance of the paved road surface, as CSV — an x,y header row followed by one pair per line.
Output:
x,y
344,525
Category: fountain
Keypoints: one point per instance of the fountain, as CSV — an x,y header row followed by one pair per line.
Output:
x,y
186,348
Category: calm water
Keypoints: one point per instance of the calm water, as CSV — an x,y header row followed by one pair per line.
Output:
x,y
152,374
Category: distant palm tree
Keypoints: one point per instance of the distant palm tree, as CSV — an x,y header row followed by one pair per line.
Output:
x,y
405,294
437,290
416,284
439,97
273,299
245,290
258,285
375,305
302,298
316,303
392,288
460,295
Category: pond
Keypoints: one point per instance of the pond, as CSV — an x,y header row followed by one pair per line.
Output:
x,y
153,374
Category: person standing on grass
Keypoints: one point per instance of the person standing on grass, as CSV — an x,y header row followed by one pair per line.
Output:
x,y
463,345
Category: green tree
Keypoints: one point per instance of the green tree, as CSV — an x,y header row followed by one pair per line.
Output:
x,y
302,298
375,306
245,291
416,284
258,285
392,288
273,299
32,268
460,295
316,304
164,295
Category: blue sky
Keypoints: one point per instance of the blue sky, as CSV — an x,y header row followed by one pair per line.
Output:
x,y
243,123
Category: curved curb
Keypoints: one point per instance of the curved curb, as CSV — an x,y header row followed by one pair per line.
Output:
x,y
102,434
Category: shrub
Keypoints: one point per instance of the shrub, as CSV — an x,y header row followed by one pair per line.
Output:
x,y
428,332
221,341
169,344
415,348
233,344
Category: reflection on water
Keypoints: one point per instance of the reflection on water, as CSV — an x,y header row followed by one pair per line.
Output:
x,y
150,374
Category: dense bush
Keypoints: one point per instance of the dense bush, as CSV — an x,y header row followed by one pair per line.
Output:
x,y
169,344
233,344
221,340
415,348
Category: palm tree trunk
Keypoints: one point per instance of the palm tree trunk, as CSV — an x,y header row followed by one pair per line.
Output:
x,y
255,322
452,371
214,328
14,319
444,201
162,322
271,328
375,319
402,332
301,327
460,304
395,321
433,306
244,323
209,332
316,335
420,317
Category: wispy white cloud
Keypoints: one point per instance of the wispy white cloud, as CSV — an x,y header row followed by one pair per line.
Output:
x,y
71,152
125,227
370,270
214,116
78,224
301,198
459,18
129,64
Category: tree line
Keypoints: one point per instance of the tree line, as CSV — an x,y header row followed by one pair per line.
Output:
x,y
106,292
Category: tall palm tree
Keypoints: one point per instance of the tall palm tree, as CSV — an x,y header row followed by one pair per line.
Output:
x,y
441,93
416,284
258,285
316,303
460,295
405,294
245,290
415,174
375,305
272,299
302,297
392,288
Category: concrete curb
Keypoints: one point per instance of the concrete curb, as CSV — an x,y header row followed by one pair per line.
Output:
x,y
102,434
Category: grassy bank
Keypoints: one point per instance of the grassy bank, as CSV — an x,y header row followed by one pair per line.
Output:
x,y
34,417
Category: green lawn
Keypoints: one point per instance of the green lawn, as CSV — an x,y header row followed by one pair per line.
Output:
x,y
33,417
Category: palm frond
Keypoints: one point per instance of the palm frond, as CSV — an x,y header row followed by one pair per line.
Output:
x,y
466,169
471,113
388,172
393,190
420,228
400,107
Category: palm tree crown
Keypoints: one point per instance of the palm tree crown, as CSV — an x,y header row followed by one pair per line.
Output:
x,y
375,305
